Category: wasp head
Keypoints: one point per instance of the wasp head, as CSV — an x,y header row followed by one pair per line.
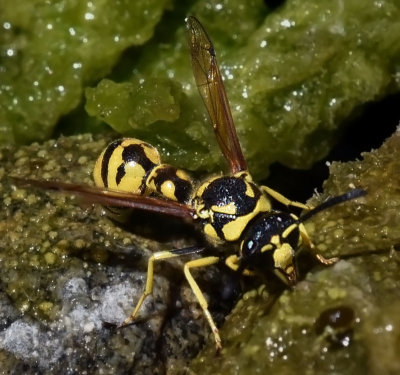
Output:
x,y
270,242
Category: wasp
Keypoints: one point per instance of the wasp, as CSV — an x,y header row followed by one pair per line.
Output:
x,y
230,209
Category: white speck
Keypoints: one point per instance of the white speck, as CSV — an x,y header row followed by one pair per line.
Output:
x,y
263,43
7,25
389,328
72,31
89,16
88,327
77,65
218,6
10,52
332,102
49,26
287,107
60,88
287,23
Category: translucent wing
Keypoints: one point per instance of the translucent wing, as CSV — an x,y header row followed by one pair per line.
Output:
x,y
113,198
212,90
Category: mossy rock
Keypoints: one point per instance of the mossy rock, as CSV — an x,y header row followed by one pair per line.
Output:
x,y
280,332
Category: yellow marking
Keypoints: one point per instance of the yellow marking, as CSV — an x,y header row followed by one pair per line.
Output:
x,y
183,175
203,262
132,181
289,270
249,190
210,232
275,240
232,262
229,209
245,175
289,230
233,230
97,171
168,189
283,256
267,247
151,153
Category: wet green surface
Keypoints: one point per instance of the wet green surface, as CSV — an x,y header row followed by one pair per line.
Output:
x,y
271,331
293,75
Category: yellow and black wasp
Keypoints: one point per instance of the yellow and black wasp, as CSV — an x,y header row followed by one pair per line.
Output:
x,y
230,209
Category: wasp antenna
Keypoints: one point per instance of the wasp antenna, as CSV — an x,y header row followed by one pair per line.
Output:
x,y
352,194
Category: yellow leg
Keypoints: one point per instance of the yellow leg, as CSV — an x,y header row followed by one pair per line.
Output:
x,y
203,262
306,239
233,263
282,199
149,282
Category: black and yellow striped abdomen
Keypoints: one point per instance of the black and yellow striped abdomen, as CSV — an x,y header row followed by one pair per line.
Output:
x,y
134,166
125,164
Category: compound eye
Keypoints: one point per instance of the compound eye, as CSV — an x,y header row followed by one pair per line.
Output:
x,y
249,247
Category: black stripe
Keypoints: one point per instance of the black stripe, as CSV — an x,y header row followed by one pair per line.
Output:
x,y
106,159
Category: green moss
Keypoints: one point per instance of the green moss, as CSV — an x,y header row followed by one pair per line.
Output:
x,y
277,332
293,75
51,51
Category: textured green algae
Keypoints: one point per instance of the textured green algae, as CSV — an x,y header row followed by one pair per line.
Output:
x,y
50,242
266,330
277,332
292,75
49,51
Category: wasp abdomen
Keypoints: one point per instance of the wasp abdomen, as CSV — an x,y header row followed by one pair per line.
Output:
x,y
170,182
125,164
134,166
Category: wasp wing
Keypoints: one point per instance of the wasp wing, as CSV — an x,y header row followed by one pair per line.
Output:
x,y
209,82
113,198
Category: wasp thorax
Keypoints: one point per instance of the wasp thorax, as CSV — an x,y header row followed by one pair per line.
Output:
x,y
125,164
227,204
270,242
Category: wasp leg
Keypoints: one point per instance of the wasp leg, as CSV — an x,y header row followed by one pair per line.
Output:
x,y
233,263
306,239
203,262
161,255
282,199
